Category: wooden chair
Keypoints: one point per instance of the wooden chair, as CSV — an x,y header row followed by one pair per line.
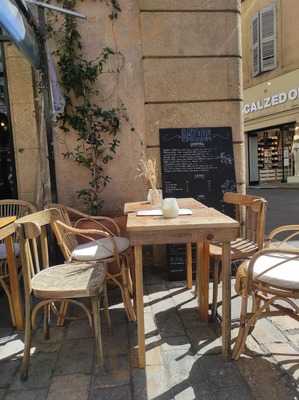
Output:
x,y
9,208
66,282
251,213
271,278
109,248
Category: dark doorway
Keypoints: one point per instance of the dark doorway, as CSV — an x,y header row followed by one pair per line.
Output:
x,y
8,183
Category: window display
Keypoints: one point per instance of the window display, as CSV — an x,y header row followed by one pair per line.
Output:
x,y
275,154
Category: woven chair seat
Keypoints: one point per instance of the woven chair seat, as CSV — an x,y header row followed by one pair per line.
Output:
x,y
277,269
99,249
69,280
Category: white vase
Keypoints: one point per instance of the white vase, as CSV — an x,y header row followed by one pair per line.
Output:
x,y
170,208
154,197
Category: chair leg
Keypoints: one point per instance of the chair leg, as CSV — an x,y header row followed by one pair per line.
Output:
x,y
62,313
27,341
129,277
46,321
106,306
95,303
126,296
7,292
215,288
243,330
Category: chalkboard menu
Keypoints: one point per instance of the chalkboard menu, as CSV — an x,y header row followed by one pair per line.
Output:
x,y
198,163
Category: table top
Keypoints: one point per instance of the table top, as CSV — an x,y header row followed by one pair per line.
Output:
x,y
4,221
202,217
145,205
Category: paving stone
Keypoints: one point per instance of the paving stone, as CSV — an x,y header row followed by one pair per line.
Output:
x,y
116,393
265,380
202,338
41,368
169,324
285,323
187,394
116,342
57,335
149,324
39,394
265,332
11,345
287,358
294,339
116,372
139,384
70,387
76,356
79,329
8,371
157,382
219,373
234,393
183,297
180,366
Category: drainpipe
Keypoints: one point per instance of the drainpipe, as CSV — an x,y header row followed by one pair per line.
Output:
x,y
47,104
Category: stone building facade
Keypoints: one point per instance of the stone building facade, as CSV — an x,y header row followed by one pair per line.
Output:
x,y
182,69
271,92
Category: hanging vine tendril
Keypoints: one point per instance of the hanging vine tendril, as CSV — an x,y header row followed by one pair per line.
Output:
x,y
97,128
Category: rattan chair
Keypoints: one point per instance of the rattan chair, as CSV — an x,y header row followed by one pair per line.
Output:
x,y
66,282
271,278
9,208
251,213
108,247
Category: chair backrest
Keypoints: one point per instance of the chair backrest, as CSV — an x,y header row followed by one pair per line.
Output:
x,y
251,213
66,241
32,231
16,208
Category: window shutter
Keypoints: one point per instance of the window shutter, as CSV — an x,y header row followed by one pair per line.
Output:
x,y
256,45
268,38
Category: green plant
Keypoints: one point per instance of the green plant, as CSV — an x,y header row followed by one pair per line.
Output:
x,y
97,128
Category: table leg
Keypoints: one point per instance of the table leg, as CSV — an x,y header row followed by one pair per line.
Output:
x,y
14,283
139,306
226,299
189,265
202,274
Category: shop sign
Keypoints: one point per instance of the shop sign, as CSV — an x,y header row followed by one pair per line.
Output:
x,y
272,101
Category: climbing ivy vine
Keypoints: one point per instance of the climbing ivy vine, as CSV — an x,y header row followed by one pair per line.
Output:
x,y
97,128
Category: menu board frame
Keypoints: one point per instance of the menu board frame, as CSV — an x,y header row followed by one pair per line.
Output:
x,y
198,163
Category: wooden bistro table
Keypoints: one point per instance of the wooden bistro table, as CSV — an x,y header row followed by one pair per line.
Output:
x,y
6,231
203,225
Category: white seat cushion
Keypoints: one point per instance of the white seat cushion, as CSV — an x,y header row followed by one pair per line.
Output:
x,y
3,250
278,269
99,249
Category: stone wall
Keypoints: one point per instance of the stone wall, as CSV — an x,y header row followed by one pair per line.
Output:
x,y
192,69
97,32
23,119
182,69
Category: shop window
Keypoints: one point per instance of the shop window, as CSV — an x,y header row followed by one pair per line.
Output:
x,y
264,42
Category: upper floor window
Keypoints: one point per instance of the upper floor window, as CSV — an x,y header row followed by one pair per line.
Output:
x,y
264,52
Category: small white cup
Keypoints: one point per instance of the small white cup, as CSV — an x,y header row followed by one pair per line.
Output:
x,y
170,208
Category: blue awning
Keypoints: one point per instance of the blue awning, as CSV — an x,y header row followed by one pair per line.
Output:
x,y
15,24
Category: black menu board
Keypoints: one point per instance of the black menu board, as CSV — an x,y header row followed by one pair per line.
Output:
x,y
198,163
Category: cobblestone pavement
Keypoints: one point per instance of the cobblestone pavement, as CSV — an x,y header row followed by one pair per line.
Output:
x,y
183,356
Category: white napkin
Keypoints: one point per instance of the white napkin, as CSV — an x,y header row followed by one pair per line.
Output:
x,y
146,213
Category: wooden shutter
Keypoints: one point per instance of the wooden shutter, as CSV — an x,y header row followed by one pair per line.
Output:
x,y
268,38
256,66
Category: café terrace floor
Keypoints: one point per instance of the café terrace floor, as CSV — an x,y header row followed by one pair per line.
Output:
x,y
183,356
